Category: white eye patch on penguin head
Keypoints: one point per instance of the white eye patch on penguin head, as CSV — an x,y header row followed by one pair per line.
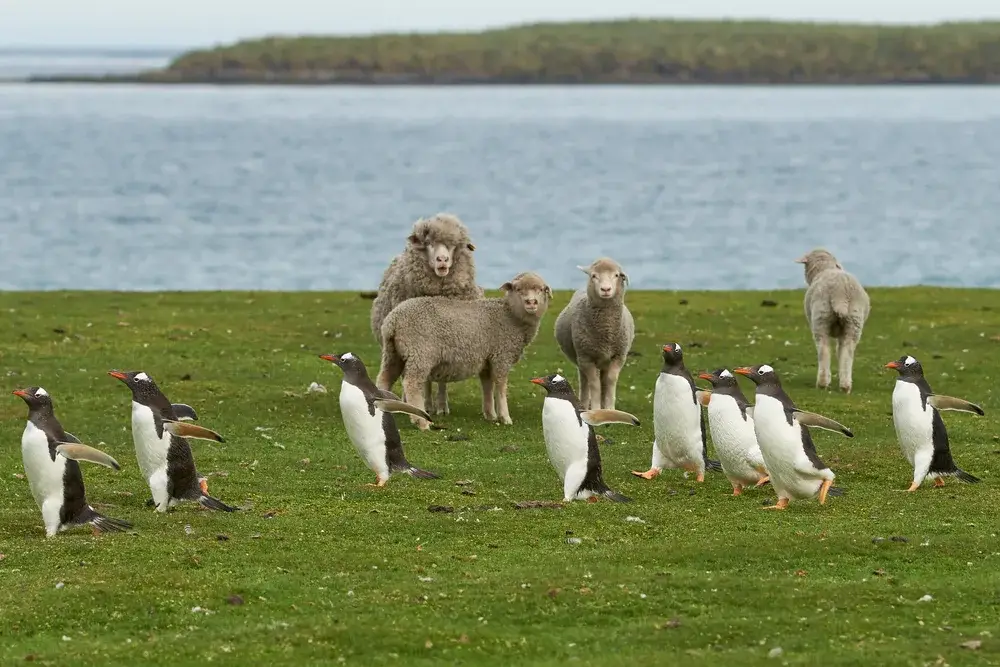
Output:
x,y
909,361
41,392
764,370
142,377
346,356
725,373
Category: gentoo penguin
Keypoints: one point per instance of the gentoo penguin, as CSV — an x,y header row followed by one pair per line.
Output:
x,y
919,427
159,431
367,414
571,443
795,468
50,457
730,420
681,434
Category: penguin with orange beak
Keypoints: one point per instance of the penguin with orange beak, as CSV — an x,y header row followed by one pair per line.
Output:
x,y
919,428
796,470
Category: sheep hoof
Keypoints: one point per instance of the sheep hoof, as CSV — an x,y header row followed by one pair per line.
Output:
x,y
846,389
506,420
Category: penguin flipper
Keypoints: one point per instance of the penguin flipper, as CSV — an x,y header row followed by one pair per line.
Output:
x,y
819,421
601,416
390,405
184,412
703,396
950,403
963,476
79,452
749,411
186,430
214,503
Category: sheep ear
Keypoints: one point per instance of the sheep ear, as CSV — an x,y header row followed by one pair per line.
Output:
x,y
415,241
625,277
802,260
548,291
471,247
585,269
507,287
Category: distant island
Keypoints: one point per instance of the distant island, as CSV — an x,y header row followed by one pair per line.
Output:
x,y
612,52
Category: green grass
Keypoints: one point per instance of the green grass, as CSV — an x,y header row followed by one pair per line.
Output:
x,y
625,51
331,571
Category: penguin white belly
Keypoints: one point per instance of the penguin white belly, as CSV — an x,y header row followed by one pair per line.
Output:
x,y
913,423
784,456
150,448
735,440
565,438
45,476
364,430
676,422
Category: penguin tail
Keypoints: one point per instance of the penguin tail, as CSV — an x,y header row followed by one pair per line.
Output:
x,y
414,471
836,491
616,497
963,476
106,524
214,503
712,464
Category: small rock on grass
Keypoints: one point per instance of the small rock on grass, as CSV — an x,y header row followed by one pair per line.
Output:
x,y
775,652
672,623
457,437
235,600
440,508
972,644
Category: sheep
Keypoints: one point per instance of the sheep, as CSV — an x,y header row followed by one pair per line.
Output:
x,y
447,340
595,330
836,306
437,261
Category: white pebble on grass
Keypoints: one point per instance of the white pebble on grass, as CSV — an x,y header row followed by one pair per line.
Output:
x,y
926,598
775,652
59,585
315,387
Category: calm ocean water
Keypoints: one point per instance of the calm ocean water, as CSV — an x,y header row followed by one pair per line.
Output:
x,y
188,188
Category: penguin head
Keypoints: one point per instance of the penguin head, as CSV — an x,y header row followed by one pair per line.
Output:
x,y
672,355
348,362
554,384
907,366
720,377
139,382
36,398
761,374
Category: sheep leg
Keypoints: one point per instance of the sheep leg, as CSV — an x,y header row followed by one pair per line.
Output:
x,y
441,406
823,354
501,399
388,374
486,380
845,361
428,394
590,385
609,384
413,383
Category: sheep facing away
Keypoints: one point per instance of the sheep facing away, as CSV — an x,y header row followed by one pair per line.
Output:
x,y
836,307
595,331
437,261
447,340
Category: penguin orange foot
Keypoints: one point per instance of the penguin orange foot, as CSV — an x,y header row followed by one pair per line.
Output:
x,y
737,489
938,481
649,474
780,505
762,481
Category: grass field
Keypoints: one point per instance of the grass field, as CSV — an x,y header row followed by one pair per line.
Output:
x,y
321,569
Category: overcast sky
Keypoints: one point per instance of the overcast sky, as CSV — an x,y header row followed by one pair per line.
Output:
x,y
203,22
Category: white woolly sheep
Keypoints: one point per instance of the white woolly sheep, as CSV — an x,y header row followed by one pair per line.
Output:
x,y
595,330
836,306
448,340
437,261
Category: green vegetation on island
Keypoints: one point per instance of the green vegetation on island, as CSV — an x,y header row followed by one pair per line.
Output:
x,y
627,51
319,569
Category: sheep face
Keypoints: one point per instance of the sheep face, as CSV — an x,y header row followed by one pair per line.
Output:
x,y
816,261
439,238
528,293
607,280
